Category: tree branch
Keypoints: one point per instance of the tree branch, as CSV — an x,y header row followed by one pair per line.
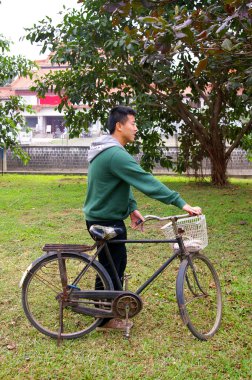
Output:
x,y
246,128
146,85
191,77
198,127
180,110
195,126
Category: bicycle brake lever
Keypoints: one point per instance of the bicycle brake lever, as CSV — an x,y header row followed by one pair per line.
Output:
x,y
139,222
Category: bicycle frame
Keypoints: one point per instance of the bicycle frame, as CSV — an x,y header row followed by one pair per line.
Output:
x,y
105,245
73,289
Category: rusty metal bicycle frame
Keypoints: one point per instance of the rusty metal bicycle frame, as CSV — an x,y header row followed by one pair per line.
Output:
x,y
178,240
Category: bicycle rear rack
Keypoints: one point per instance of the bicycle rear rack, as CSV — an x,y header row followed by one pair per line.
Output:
x,y
68,248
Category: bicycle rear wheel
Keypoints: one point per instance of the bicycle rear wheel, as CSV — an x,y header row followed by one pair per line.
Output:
x,y
42,287
199,296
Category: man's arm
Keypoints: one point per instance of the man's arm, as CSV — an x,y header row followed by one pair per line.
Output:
x,y
126,168
132,202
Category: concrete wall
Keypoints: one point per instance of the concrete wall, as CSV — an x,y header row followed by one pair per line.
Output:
x,y
43,158
74,159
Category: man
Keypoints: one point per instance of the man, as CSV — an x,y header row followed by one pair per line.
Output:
x,y
112,171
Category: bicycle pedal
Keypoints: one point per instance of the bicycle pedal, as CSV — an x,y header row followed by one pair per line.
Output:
x,y
127,330
127,275
126,335
126,281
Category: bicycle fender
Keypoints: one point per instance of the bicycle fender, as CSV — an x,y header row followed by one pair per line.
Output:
x,y
41,258
28,269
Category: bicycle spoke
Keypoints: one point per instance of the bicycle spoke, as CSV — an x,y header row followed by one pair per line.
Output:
x,y
43,296
52,285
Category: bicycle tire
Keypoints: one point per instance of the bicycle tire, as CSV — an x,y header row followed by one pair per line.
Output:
x,y
200,305
41,286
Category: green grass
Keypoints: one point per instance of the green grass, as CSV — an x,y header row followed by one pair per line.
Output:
x,y
47,209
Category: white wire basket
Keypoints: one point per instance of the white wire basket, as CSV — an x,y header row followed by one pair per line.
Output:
x,y
195,233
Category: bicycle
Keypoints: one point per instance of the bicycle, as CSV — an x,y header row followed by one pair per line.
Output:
x,y
67,293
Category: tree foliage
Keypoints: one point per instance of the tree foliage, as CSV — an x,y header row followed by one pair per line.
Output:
x,y
11,110
148,54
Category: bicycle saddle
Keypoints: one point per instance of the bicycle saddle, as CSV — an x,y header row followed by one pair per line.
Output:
x,y
104,233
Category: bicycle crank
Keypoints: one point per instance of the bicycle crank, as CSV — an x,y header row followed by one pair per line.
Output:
x,y
127,305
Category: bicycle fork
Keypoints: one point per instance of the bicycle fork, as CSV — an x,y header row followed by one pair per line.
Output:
x,y
195,278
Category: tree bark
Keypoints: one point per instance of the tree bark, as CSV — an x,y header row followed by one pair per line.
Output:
x,y
218,167
218,143
218,173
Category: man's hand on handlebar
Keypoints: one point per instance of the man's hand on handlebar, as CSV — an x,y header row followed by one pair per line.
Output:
x,y
192,210
136,220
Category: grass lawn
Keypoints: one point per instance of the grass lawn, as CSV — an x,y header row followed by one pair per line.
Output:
x,y
48,209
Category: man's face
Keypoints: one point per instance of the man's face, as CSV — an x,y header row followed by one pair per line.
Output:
x,y
128,130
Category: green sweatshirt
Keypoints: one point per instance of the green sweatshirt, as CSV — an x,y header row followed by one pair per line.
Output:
x,y
110,175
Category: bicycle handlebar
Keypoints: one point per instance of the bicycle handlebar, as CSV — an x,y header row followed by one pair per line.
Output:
x,y
155,217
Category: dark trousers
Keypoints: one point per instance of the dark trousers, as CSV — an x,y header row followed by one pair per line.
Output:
x,y
117,251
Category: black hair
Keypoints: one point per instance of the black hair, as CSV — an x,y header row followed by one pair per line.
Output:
x,y
118,114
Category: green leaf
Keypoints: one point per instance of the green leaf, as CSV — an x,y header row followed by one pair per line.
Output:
x,y
185,24
227,44
149,19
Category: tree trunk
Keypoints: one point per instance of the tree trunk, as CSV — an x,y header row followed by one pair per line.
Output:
x,y
218,168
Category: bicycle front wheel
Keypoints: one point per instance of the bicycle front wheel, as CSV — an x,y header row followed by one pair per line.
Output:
x,y
199,296
41,293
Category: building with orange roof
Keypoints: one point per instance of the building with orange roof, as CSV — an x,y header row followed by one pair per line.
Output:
x,y
46,120
6,92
